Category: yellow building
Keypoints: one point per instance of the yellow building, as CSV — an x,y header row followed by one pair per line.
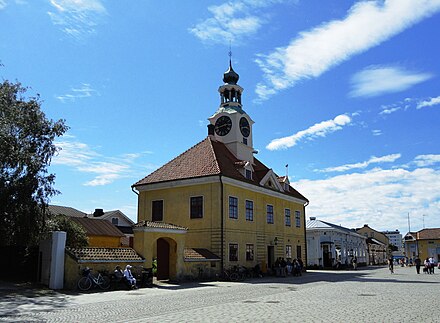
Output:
x,y
424,244
377,244
216,205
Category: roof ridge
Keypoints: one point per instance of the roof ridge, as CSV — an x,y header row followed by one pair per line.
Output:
x,y
170,161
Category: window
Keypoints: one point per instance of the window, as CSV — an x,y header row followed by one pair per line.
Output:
x,y
288,252
233,207
249,210
250,252
115,221
287,217
245,141
298,219
196,211
248,174
233,252
269,212
157,211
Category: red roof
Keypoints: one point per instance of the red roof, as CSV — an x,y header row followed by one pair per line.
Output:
x,y
207,158
98,227
428,234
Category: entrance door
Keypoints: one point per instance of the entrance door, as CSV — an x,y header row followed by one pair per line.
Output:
x,y
163,259
327,256
270,256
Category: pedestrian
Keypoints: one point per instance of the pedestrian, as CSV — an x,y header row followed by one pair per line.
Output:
x,y
426,268
355,260
391,264
418,262
431,265
129,276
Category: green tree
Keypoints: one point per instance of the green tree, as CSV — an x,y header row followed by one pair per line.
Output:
x,y
26,149
76,236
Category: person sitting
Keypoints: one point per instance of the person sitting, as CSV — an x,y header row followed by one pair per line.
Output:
x,y
129,276
119,278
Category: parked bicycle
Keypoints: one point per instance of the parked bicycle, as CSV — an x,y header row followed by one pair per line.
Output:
x,y
88,280
230,275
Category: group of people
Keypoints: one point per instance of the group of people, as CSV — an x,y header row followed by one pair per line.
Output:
x,y
125,276
284,267
428,265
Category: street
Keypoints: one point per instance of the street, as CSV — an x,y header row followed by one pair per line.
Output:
x,y
368,294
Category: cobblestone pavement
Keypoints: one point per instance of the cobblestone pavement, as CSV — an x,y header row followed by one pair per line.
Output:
x,y
366,295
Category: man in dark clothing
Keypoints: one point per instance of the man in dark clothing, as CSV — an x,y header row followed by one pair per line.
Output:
x,y
418,262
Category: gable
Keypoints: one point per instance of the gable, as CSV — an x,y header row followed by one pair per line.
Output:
x,y
210,157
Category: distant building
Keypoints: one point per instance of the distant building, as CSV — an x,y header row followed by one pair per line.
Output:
x,y
396,239
377,245
424,243
328,244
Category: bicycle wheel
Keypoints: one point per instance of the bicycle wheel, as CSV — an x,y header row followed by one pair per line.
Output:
x,y
84,283
104,282
234,277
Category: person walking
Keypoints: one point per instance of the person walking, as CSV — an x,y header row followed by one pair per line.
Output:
x,y
418,263
391,264
355,260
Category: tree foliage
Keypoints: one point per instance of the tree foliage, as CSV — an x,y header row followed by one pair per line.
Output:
x,y
76,236
27,146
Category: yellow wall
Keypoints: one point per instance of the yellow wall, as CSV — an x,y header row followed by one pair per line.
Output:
x,y
103,241
206,232
428,248
73,270
374,234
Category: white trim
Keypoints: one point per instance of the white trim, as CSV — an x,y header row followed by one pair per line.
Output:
x,y
179,183
271,175
262,189
216,179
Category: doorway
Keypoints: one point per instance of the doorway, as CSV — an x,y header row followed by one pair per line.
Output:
x,y
270,256
163,259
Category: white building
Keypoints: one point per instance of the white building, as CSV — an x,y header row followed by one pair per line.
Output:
x,y
328,244
395,238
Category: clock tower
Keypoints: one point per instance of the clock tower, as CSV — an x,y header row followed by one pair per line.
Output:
x,y
230,124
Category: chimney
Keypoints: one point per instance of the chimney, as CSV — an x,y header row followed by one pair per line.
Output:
x,y
98,212
312,218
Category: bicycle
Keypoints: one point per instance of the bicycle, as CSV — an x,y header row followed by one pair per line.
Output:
x,y
88,280
230,275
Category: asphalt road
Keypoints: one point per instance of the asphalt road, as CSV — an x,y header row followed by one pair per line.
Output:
x,y
365,295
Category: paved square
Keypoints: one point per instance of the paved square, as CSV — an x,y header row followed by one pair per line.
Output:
x,y
366,295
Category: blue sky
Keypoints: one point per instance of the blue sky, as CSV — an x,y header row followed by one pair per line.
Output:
x,y
347,93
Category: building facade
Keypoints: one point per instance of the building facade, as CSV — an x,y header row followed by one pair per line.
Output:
x,y
424,244
216,205
330,245
377,245
396,239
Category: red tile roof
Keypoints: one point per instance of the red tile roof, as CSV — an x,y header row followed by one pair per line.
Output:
x,y
104,254
428,234
98,227
207,158
161,225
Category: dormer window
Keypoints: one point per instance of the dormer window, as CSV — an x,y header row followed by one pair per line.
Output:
x,y
245,141
248,174
115,221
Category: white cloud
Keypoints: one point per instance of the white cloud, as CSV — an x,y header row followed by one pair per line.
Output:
x,y
77,18
84,91
106,170
377,80
376,132
428,103
232,21
426,160
379,197
3,4
313,52
364,164
317,130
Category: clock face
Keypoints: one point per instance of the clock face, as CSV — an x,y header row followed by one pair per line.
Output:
x,y
244,127
223,125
